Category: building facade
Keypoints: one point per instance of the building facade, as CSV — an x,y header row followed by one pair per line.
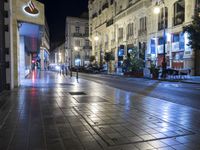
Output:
x,y
59,55
122,25
45,47
20,39
77,44
4,45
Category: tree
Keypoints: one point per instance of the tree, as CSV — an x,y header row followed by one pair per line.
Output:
x,y
133,61
193,31
108,57
92,58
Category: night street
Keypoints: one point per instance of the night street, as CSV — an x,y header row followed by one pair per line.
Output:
x,y
55,112
100,75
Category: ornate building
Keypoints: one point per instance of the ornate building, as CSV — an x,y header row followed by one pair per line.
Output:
x,y
121,25
77,44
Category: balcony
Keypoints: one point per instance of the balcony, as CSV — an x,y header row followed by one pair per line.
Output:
x,y
142,32
85,35
87,57
77,35
109,22
87,47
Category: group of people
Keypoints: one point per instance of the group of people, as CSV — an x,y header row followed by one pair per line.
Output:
x,y
64,69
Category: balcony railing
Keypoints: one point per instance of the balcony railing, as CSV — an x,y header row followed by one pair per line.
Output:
x,y
142,32
77,34
109,22
87,47
87,57
161,24
80,34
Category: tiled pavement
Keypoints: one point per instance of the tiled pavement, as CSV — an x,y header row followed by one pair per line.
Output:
x,y
56,113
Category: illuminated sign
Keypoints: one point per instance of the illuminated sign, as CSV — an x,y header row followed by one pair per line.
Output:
x,y
30,9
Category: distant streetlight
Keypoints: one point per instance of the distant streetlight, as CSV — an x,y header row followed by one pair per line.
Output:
x,y
76,48
157,11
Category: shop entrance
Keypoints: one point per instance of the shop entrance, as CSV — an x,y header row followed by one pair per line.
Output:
x,y
29,42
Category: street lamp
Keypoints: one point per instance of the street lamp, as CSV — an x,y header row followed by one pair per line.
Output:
x,y
96,38
157,11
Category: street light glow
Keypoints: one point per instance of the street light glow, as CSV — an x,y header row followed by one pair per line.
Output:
x,y
156,10
75,48
96,38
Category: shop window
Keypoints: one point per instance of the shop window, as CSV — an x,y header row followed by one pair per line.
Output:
x,y
175,38
160,41
179,12
161,18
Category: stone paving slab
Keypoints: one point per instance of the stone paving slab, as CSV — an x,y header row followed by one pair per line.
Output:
x,y
120,128
49,118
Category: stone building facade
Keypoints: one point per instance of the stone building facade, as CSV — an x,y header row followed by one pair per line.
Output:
x,y
77,44
121,25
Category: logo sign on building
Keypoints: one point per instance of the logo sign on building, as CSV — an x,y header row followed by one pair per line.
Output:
x,y
30,9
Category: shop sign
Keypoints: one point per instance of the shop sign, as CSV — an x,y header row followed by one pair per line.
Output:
x,y
175,47
30,9
160,49
153,46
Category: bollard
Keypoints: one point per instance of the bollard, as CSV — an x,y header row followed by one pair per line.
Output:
x,y
77,74
70,72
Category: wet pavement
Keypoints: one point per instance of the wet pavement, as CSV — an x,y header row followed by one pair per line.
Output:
x,y
53,112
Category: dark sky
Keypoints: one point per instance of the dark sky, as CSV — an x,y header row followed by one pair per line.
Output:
x,y
56,12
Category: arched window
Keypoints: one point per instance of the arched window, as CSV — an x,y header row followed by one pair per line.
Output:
x,y
179,12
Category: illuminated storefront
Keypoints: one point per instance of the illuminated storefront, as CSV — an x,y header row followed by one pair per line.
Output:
x,y
26,25
178,53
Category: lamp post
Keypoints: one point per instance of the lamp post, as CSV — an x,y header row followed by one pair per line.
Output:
x,y
157,11
96,38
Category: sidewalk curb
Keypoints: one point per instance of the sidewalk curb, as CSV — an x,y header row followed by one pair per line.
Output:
x,y
180,81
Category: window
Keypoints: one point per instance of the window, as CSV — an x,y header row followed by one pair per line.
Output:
x,y
161,18
86,42
143,26
77,29
179,12
77,43
120,31
175,38
86,29
130,29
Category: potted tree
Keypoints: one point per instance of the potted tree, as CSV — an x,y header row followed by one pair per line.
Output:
x,y
134,64
154,71
193,31
108,58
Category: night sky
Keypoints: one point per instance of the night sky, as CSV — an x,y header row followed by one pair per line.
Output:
x,y
56,12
